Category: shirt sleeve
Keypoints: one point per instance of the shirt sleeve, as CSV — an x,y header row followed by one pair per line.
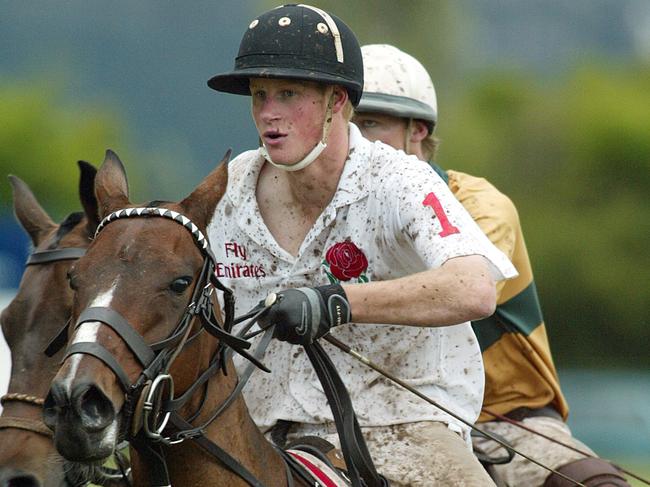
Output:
x,y
437,225
494,213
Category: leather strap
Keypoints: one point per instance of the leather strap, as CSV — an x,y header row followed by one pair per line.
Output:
x,y
216,451
591,471
26,424
122,327
154,459
98,351
486,459
45,256
361,468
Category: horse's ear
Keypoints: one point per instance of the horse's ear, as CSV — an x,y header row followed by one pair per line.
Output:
x,y
111,187
199,206
87,194
30,214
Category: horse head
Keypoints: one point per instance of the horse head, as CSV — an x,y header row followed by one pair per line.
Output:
x,y
40,309
132,290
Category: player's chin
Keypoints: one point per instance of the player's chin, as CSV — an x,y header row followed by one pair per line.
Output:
x,y
283,157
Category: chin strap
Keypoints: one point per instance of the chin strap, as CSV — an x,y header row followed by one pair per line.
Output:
x,y
306,161
317,150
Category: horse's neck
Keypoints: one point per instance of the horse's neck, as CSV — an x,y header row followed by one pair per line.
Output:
x,y
235,432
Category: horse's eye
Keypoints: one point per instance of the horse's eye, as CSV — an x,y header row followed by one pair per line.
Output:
x,y
181,284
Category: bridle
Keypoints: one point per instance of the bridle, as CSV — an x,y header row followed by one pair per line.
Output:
x,y
37,426
157,358
146,415
101,474
144,405
28,424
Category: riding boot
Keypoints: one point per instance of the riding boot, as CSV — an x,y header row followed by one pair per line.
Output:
x,y
592,472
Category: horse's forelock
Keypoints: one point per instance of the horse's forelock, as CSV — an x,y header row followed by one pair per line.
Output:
x,y
71,221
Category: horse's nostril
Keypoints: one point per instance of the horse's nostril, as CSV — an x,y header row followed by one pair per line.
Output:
x,y
94,408
54,401
20,480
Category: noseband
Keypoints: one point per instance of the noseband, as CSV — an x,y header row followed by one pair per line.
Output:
x,y
144,407
28,424
103,474
156,358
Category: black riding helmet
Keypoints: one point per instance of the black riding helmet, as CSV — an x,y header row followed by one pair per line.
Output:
x,y
296,42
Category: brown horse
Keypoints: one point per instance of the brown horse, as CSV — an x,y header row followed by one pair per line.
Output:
x,y
145,273
40,309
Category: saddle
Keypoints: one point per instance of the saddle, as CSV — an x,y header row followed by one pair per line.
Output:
x,y
320,460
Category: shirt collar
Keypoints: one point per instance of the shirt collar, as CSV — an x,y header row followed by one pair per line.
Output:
x,y
353,184
244,172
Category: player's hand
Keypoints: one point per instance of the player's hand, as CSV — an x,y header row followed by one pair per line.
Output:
x,y
304,314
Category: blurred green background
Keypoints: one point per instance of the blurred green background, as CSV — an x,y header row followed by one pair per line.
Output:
x,y
548,99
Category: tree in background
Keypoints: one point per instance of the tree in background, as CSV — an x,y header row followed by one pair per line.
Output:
x,y
42,137
575,157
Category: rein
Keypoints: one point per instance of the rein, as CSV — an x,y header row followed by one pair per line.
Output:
x,y
347,349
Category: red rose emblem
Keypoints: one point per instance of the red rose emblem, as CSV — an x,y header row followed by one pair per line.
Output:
x,y
346,261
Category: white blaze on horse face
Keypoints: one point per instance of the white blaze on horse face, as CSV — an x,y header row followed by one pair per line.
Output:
x,y
87,332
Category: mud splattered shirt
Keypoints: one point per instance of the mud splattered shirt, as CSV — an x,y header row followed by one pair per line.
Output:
x,y
403,218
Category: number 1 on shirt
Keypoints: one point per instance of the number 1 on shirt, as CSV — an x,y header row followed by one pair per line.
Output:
x,y
447,227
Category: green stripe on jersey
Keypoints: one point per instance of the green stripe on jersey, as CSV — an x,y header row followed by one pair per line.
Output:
x,y
520,314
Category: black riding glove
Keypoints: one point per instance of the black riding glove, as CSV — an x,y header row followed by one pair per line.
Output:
x,y
304,314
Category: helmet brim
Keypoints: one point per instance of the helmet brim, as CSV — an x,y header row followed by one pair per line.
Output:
x,y
238,81
397,106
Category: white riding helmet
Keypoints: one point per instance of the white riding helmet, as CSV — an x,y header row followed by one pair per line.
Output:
x,y
397,84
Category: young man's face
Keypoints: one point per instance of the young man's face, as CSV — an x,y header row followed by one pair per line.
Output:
x,y
385,128
289,117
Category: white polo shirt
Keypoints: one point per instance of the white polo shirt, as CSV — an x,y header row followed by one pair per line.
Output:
x,y
403,218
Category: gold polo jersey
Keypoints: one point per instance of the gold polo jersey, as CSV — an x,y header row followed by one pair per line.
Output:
x,y
519,369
